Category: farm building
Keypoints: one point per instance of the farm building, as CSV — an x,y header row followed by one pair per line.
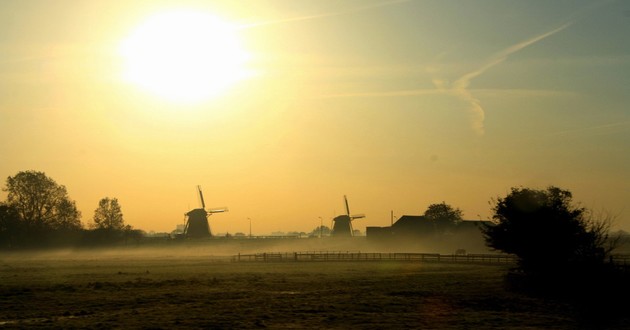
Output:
x,y
418,225
417,228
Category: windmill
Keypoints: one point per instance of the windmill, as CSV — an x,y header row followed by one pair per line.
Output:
x,y
342,226
197,219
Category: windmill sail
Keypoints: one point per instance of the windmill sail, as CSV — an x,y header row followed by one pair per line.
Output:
x,y
342,226
203,204
197,225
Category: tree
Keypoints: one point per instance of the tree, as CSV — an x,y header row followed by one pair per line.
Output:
x,y
41,203
108,215
443,216
561,249
546,231
11,228
134,235
320,231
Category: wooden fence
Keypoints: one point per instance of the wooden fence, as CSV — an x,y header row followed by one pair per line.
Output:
x,y
362,256
621,260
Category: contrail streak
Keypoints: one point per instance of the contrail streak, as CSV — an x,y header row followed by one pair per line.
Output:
x,y
501,56
317,16
460,86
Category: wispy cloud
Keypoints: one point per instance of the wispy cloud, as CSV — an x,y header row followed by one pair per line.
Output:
x,y
324,15
579,132
607,128
408,92
489,92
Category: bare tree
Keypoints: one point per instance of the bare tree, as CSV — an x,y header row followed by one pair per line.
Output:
x,y
600,224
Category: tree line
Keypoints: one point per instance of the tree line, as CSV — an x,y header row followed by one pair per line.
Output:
x,y
541,227
38,212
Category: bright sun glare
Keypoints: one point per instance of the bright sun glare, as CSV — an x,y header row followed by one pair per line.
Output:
x,y
184,56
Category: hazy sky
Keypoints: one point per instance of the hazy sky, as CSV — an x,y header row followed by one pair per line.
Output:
x,y
397,104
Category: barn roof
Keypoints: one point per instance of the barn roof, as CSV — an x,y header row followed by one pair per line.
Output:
x,y
411,222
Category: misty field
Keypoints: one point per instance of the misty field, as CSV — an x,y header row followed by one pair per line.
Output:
x,y
163,291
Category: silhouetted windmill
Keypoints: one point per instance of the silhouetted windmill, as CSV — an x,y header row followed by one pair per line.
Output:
x,y
197,219
342,226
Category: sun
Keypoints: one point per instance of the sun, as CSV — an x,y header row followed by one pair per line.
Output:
x,y
184,56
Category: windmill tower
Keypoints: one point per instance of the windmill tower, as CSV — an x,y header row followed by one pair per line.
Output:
x,y
197,219
342,226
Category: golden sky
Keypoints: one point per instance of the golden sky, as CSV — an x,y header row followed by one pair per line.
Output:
x,y
396,104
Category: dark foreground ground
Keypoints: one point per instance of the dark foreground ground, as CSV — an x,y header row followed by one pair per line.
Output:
x,y
177,291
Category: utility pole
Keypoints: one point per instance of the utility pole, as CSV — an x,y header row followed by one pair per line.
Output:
x,y
250,227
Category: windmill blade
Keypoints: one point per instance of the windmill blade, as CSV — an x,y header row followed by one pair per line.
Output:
x,y
185,225
203,204
217,210
357,216
347,207
351,229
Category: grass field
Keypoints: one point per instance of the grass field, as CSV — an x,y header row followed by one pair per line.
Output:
x,y
165,291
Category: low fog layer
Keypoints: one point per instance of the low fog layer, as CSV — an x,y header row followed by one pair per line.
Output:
x,y
220,248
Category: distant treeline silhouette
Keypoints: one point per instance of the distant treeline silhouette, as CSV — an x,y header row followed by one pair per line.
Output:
x,y
38,213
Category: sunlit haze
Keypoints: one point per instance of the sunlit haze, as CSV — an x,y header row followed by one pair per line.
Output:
x,y
183,56
278,109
